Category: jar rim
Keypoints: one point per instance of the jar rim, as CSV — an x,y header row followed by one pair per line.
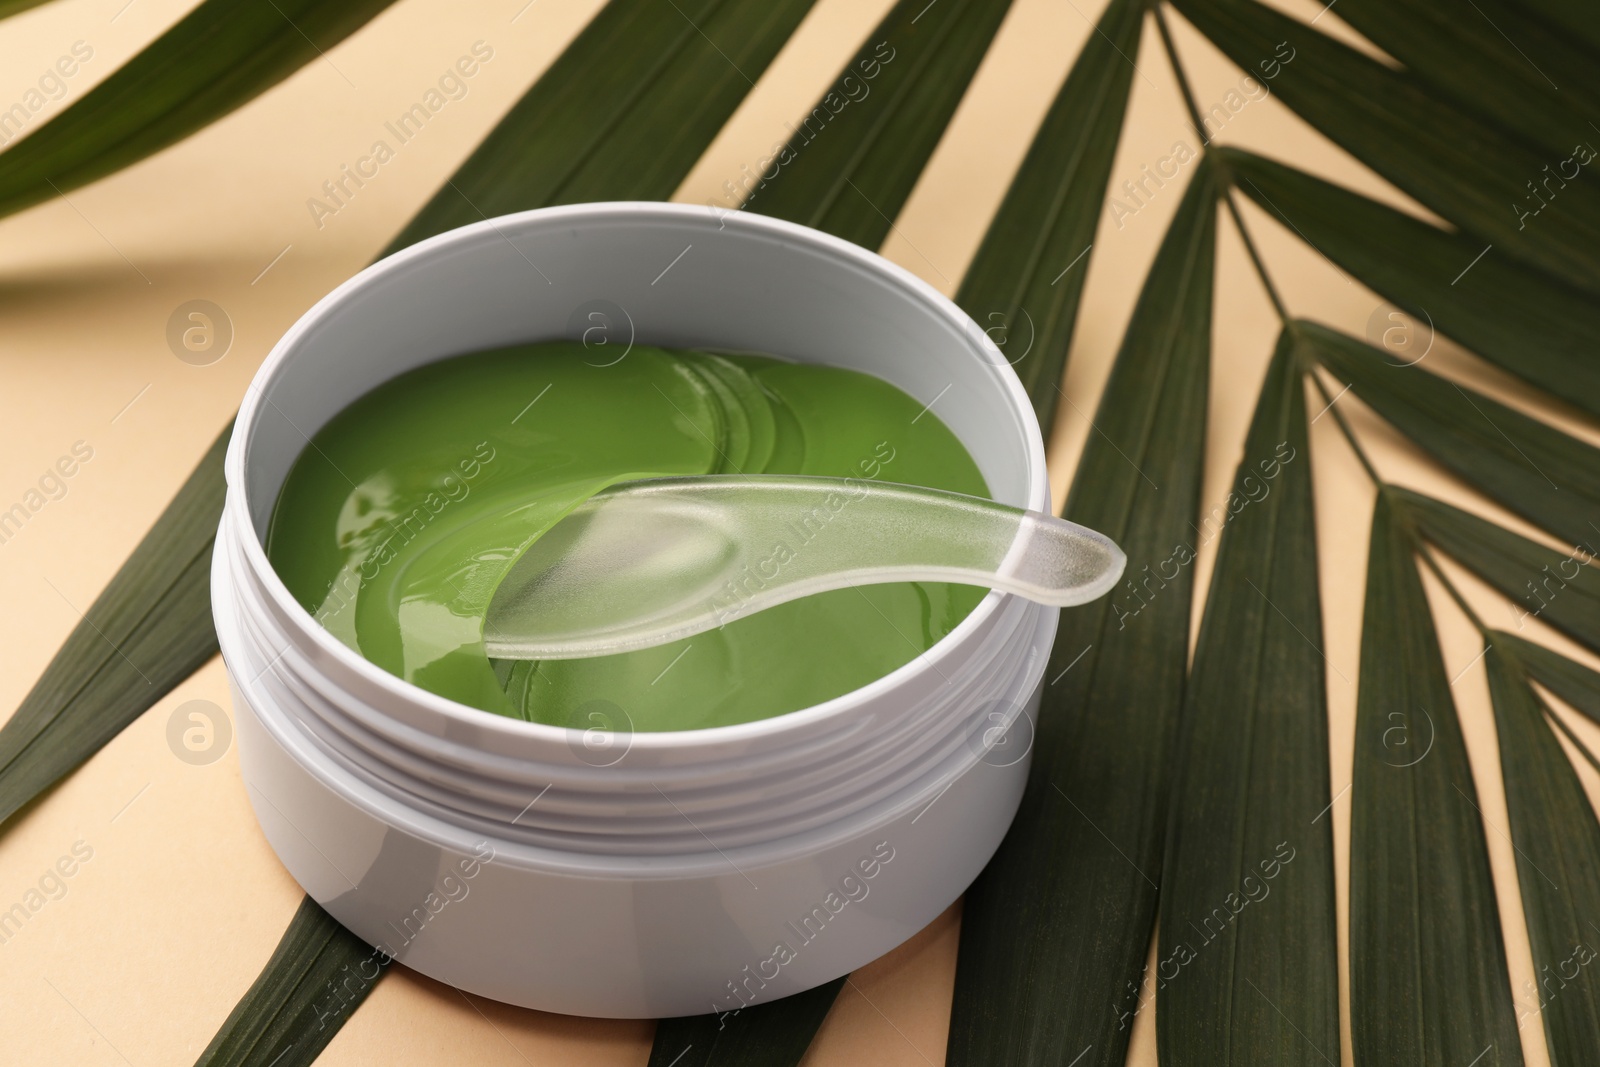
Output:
x,y
237,473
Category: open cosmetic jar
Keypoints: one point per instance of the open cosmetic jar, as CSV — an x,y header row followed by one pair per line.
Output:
x,y
607,872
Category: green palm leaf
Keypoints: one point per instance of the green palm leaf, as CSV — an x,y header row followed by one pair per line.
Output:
x,y
319,974
218,57
622,114
1480,56
851,164
1026,281
1566,678
1558,859
1522,320
1559,588
14,7
146,632
1428,981
1247,925
880,143
1535,470
1576,17
157,609
1055,931
1470,172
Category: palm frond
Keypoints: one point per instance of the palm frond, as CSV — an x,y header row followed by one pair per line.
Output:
x,y
1518,318
1467,170
1026,281
1535,470
1558,858
1248,957
1558,588
1055,930
1428,980
215,59
146,632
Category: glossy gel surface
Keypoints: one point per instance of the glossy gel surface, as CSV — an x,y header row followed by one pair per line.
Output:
x,y
398,521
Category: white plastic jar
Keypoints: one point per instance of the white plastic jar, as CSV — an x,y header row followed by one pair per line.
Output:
x,y
603,872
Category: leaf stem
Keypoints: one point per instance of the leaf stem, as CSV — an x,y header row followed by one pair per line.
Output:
x,y
1183,79
1425,551
1344,428
1422,549
1419,544
1225,176
1255,256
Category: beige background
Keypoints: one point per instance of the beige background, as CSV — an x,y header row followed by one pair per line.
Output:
x,y
182,902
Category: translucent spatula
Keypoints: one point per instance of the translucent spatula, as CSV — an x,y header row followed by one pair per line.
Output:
x,y
649,562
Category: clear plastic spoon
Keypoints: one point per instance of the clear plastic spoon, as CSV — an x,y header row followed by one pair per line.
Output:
x,y
650,562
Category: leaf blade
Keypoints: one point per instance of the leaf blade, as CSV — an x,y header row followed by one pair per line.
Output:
x,y
1558,855
1566,678
1041,226
1558,588
1255,984
575,135
215,59
1428,979
147,631
867,157
16,7
1526,322
1465,170
1533,469
319,974
1464,54
1069,900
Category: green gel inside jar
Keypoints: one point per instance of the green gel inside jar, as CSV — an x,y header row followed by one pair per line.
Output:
x,y
398,520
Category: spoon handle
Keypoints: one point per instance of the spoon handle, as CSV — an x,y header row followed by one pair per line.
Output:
x,y
650,562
